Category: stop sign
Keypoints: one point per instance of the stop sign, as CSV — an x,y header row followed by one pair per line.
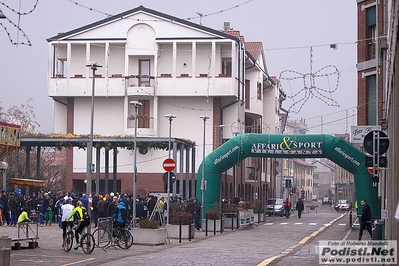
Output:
x,y
169,165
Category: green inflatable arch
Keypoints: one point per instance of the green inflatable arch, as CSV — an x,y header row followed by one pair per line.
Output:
x,y
286,146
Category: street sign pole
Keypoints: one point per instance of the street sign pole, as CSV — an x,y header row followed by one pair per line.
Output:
x,y
168,165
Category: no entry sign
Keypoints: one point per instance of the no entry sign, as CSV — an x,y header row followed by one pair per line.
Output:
x,y
169,165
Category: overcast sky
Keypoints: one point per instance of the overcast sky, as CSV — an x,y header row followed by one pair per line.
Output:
x,y
288,29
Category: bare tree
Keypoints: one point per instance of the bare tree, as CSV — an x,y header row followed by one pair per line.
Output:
x,y
52,160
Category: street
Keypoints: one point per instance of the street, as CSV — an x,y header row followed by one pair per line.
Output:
x,y
278,241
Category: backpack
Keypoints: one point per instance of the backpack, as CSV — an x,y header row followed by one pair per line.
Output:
x,y
86,215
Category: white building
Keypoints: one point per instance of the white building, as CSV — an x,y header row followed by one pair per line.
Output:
x,y
172,66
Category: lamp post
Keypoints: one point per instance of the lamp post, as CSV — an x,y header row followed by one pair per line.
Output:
x,y
204,118
170,117
136,107
89,168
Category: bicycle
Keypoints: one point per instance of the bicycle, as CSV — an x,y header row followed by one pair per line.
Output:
x,y
68,240
87,242
105,234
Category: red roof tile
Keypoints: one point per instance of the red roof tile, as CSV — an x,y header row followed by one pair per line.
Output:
x,y
254,48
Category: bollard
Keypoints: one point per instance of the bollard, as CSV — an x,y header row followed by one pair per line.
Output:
x,y
232,222
180,229
214,223
5,250
221,223
206,224
190,221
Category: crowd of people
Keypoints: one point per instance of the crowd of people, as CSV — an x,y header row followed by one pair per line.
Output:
x,y
47,207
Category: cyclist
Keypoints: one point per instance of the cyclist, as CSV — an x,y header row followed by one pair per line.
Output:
x,y
82,217
66,210
120,215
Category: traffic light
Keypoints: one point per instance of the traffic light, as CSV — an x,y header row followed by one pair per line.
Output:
x,y
382,161
288,183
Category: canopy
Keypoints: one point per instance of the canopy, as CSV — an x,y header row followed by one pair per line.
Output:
x,y
27,182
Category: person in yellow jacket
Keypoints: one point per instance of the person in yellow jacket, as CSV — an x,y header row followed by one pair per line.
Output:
x,y
83,219
23,217
241,205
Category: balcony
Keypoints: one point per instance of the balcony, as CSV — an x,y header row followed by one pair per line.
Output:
x,y
78,85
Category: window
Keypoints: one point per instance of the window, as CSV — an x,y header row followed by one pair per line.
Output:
x,y
226,66
371,32
371,100
144,72
61,67
247,94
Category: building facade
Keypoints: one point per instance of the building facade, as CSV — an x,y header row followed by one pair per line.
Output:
x,y
378,95
171,66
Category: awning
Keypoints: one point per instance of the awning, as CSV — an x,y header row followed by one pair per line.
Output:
x,y
27,182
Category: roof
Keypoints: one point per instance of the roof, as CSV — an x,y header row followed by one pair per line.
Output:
x,y
303,163
140,9
254,48
331,167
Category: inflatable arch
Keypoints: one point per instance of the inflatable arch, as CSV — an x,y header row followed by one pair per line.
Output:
x,y
286,146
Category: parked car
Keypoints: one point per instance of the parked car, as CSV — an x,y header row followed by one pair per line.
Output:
x,y
315,198
326,200
274,206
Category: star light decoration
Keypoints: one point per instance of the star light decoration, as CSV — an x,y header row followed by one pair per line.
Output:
x,y
310,89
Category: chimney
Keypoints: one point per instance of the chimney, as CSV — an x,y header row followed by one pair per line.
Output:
x,y
226,26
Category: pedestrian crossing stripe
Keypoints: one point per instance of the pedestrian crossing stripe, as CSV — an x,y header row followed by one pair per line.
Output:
x,y
296,224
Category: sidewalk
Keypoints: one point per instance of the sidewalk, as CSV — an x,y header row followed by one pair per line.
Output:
x,y
50,251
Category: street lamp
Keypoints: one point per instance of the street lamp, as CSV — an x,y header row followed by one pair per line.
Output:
x,y
136,107
170,117
203,117
89,168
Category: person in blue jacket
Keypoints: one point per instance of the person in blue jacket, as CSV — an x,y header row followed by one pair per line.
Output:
x,y
120,215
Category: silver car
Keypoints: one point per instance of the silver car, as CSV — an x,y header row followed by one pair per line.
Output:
x,y
274,206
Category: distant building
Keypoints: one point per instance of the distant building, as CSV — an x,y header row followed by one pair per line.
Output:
x,y
324,178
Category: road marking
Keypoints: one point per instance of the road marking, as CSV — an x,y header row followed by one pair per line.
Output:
x,y
268,223
283,223
341,224
298,223
312,223
77,262
302,242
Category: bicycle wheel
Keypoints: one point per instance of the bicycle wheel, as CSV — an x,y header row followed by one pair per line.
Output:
x,y
102,237
68,241
125,238
87,243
